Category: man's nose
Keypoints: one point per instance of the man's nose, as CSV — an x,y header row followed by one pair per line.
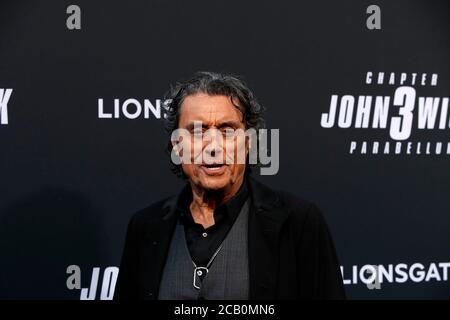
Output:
x,y
214,143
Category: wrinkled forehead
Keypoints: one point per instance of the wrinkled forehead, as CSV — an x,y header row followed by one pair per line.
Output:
x,y
210,110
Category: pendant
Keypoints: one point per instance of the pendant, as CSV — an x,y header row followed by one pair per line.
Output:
x,y
199,272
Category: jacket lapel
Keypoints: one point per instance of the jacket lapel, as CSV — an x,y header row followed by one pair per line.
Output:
x,y
265,222
156,241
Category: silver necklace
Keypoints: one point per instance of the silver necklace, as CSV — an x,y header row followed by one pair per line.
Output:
x,y
199,271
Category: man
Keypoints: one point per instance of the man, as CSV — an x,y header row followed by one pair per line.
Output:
x,y
225,235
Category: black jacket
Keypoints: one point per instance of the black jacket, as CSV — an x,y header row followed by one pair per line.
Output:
x,y
291,252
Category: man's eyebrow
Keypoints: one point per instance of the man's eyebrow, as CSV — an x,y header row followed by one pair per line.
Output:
x,y
230,123
191,126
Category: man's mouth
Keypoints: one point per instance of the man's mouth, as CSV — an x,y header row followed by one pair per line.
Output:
x,y
215,168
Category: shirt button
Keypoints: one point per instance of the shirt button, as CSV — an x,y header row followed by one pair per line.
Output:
x,y
204,234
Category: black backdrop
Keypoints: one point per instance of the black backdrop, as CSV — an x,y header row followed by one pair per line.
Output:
x,y
70,179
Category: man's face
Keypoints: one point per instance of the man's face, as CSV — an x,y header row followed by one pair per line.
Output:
x,y
217,168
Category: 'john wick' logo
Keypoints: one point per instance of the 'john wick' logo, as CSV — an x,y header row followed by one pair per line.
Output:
x,y
400,115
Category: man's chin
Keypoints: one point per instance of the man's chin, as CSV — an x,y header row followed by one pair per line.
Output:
x,y
214,183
